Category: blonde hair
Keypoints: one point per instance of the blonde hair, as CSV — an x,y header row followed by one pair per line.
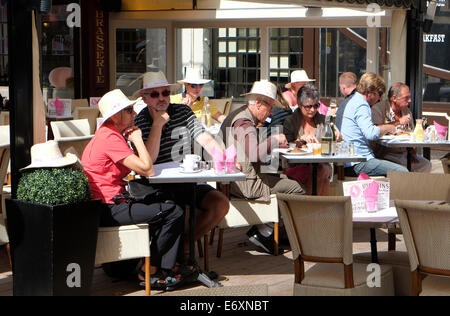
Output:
x,y
348,79
371,83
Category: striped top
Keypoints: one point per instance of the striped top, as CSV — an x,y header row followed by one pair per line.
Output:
x,y
177,134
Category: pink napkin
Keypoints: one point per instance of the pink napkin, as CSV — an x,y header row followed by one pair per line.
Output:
x,y
59,106
363,176
323,109
440,129
219,159
371,196
230,158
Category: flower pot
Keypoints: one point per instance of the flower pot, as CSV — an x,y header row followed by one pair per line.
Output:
x,y
52,247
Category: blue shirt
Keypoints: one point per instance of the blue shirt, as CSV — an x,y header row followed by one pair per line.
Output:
x,y
357,127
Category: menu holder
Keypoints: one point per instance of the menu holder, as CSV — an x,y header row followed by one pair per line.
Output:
x,y
363,202
59,108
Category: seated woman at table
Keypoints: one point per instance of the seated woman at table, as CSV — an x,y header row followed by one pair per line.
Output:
x,y
107,159
193,84
308,125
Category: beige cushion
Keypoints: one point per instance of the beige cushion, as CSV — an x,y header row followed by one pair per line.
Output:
x,y
399,261
247,212
122,242
386,289
332,275
435,286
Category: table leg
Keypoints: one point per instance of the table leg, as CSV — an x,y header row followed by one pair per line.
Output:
x,y
427,153
314,178
192,206
408,158
373,245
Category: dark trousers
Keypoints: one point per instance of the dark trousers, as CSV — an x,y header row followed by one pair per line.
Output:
x,y
166,225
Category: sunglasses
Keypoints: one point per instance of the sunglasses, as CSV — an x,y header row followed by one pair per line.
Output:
x,y
129,110
308,107
195,85
155,94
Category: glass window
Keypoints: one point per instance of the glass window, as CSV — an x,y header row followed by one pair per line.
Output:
x,y
285,53
339,52
138,51
230,57
437,62
57,54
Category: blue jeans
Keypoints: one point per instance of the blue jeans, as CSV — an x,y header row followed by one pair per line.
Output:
x,y
378,167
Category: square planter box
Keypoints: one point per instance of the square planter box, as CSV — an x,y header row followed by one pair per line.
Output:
x,y
52,247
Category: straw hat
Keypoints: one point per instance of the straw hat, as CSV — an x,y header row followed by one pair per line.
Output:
x,y
48,155
113,102
264,88
193,76
156,79
298,76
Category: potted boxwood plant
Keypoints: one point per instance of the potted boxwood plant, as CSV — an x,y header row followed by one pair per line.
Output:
x,y
52,226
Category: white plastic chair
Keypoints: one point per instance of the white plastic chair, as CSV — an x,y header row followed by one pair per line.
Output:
x,y
124,242
72,133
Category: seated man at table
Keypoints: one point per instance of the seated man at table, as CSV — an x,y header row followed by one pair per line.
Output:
x,y
357,127
241,129
395,111
347,86
168,128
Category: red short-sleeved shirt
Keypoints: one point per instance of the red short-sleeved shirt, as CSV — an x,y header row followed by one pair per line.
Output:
x,y
101,162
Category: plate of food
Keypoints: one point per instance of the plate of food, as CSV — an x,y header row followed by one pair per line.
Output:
x,y
293,151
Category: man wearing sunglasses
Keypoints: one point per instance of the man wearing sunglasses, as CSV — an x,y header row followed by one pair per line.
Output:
x,y
168,128
395,111
193,84
358,127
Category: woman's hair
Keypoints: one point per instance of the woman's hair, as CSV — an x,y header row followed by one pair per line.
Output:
x,y
280,98
371,83
307,93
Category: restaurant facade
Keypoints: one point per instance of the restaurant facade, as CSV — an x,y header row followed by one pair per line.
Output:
x,y
87,48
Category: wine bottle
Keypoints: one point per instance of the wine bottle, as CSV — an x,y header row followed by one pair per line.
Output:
x,y
327,139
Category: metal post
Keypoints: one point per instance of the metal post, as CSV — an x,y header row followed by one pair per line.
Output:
x,y
20,87
414,56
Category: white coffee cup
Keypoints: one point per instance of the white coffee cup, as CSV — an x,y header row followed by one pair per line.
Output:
x,y
190,162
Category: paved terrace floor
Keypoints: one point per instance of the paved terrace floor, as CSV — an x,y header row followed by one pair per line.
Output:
x,y
242,263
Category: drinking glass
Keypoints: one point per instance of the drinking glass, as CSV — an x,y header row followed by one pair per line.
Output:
x,y
317,149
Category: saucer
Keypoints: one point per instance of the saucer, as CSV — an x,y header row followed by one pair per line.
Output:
x,y
189,171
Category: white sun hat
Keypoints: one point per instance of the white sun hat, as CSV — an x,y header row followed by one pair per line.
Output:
x,y
113,102
48,155
194,76
155,79
298,76
264,88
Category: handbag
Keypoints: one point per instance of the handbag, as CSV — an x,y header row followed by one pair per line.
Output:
x,y
141,191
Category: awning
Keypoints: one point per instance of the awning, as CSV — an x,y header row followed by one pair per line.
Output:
x,y
143,5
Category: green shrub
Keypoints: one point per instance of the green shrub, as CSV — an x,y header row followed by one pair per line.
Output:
x,y
54,186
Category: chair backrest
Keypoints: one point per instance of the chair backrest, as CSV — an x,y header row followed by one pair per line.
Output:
x,y
319,227
72,128
4,134
419,186
77,103
223,105
89,113
4,118
426,232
